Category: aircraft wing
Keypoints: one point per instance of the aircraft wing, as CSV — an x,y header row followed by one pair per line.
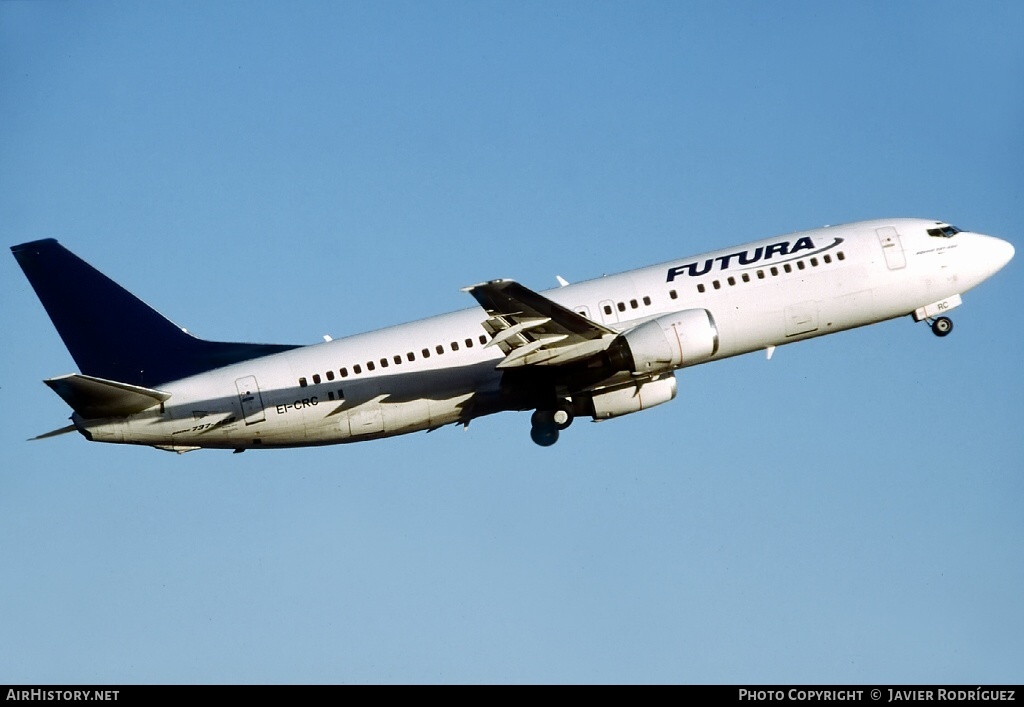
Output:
x,y
531,329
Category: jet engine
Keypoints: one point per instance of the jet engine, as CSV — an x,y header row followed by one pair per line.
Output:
x,y
632,398
671,341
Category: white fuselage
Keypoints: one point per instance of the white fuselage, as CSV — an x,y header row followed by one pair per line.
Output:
x,y
437,371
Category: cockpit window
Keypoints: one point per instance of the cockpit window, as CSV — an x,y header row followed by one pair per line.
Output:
x,y
943,231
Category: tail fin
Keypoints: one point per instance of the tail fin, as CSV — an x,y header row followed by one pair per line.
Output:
x,y
110,332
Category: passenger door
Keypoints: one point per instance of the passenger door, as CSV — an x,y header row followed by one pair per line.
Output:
x,y
889,239
250,399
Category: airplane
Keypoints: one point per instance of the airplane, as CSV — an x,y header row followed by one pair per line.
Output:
x,y
602,348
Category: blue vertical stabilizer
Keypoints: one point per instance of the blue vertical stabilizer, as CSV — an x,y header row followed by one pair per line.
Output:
x,y
110,332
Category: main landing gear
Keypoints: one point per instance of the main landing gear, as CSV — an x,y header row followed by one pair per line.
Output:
x,y
942,326
546,424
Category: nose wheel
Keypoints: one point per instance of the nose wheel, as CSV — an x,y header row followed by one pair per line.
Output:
x,y
942,326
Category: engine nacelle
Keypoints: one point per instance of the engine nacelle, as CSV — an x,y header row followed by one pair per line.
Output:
x,y
633,398
666,343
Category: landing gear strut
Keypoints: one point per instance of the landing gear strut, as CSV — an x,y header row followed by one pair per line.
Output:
x,y
942,326
546,424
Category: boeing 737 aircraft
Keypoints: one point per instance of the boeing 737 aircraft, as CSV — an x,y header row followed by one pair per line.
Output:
x,y
601,349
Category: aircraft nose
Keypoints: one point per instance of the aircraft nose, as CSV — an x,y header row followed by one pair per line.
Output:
x,y
998,253
987,255
1004,252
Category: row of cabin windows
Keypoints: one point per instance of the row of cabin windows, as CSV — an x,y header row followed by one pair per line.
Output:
x,y
774,271
633,304
385,362
745,277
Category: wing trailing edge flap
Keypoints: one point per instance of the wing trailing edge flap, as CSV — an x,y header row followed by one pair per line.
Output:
x,y
532,330
94,397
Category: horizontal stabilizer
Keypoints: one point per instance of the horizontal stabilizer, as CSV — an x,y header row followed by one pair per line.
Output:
x,y
96,397
54,433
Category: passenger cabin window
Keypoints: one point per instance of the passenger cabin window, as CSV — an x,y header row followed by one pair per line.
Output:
x,y
370,366
398,359
622,306
330,375
840,255
483,339
455,346
344,372
634,304
439,349
357,369
647,301
302,383
383,363
607,309
469,343
671,293
700,288
316,379
411,356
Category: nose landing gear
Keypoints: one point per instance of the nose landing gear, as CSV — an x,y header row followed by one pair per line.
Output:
x,y
942,326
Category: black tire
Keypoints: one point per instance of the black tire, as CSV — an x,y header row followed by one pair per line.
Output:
x,y
544,435
540,417
942,326
547,416
565,408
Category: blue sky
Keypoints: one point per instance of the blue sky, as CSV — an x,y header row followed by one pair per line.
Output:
x,y
848,512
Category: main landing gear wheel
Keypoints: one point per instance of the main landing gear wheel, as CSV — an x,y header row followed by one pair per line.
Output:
x,y
562,417
544,435
942,326
547,423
